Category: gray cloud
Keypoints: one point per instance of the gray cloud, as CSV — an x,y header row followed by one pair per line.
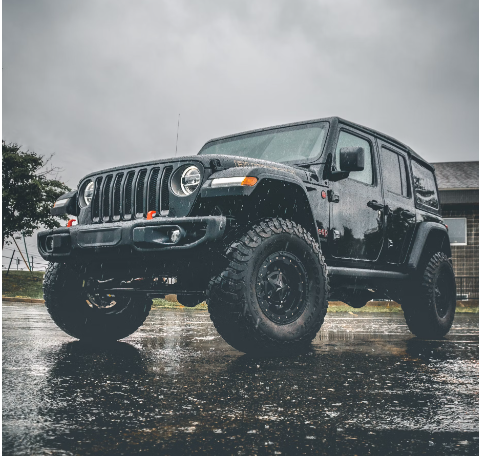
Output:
x,y
101,83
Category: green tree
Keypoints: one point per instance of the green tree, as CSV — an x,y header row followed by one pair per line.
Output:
x,y
28,192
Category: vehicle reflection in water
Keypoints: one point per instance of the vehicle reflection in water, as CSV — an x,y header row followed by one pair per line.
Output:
x,y
175,387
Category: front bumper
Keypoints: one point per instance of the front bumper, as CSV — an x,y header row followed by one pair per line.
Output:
x,y
136,237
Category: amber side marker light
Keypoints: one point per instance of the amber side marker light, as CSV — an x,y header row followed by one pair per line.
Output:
x,y
249,181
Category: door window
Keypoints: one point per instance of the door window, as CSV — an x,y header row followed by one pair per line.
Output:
x,y
348,140
394,172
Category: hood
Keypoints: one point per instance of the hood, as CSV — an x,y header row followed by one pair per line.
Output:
x,y
209,162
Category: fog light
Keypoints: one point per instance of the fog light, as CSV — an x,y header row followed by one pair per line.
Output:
x,y
175,236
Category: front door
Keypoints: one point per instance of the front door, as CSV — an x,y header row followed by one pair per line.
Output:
x,y
400,212
357,218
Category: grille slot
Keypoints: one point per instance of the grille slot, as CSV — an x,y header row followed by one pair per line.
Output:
x,y
96,199
140,192
129,193
107,197
165,190
117,196
153,190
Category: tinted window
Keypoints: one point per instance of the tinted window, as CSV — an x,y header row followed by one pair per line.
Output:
x,y
349,140
424,186
394,172
296,144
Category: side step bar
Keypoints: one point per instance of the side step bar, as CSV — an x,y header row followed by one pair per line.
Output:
x,y
364,274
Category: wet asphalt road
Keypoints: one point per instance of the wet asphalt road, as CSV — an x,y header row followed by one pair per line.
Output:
x,y
174,387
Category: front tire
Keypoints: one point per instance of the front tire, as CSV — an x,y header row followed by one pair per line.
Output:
x,y
273,294
429,311
88,317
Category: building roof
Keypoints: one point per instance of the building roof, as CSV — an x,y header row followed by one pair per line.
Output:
x,y
457,175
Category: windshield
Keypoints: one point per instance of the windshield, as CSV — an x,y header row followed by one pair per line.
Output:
x,y
289,144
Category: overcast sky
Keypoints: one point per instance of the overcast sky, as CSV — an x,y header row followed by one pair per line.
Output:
x,y
101,83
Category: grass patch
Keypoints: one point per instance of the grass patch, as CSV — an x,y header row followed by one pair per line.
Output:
x,y
365,309
21,284
164,304
473,310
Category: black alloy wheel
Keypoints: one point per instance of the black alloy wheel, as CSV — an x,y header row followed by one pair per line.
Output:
x,y
280,290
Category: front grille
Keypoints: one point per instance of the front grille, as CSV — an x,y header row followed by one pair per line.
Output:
x,y
131,194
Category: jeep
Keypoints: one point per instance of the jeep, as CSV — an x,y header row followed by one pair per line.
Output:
x,y
266,226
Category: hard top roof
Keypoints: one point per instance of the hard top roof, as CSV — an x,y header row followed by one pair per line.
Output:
x,y
334,119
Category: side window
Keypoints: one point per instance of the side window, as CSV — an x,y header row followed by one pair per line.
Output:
x,y
394,172
349,140
404,176
424,186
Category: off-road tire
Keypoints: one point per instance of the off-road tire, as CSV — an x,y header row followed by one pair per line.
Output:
x,y
429,310
67,304
233,300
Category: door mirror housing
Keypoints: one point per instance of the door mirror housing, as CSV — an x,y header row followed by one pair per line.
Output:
x,y
351,159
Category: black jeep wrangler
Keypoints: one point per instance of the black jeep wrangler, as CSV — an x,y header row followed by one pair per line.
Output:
x,y
266,226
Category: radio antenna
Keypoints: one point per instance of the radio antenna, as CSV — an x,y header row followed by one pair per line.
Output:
x,y
177,133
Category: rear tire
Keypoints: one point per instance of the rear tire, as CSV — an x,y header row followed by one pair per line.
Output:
x,y
273,294
81,317
429,311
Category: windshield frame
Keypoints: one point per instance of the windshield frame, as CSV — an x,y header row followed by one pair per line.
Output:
x,y
277,127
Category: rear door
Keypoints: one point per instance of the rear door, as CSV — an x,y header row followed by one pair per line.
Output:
x,y
400,211
357,220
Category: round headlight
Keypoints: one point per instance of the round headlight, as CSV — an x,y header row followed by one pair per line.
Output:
x,y
87,193
190,180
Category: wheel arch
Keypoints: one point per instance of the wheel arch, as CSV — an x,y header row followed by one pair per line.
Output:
x,y
430,237
282,199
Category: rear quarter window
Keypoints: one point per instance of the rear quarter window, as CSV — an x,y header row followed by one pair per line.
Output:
x,y
425,190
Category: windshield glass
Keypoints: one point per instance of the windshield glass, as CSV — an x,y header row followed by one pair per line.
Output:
x,y
288,144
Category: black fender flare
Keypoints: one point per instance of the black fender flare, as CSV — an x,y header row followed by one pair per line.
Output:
x,y
426,233
268,177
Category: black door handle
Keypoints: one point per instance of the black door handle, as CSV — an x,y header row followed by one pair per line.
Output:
x,y
373,204
408,214
333,197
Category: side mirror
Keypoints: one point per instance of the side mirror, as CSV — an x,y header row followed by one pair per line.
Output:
x,y
351,159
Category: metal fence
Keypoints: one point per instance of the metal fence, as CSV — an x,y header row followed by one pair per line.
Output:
x,y
467,287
